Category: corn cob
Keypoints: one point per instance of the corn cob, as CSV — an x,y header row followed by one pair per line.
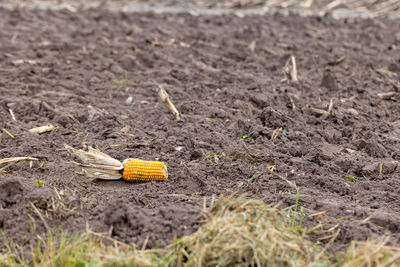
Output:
x,y
136,170
99,165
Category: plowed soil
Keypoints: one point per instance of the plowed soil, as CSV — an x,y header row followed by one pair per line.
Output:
x,y
94,74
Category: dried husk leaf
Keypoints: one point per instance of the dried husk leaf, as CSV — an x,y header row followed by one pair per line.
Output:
x,y
95,159
97,164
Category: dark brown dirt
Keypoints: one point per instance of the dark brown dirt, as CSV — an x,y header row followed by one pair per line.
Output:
x,y
68,69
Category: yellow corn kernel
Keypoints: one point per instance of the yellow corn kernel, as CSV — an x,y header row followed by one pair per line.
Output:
x,y
136,170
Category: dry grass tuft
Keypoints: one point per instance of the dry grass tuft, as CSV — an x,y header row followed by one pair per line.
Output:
x,y
236,232
240,232
371,253
83,250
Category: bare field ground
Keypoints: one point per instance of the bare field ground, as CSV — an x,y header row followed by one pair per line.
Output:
x,y
333,134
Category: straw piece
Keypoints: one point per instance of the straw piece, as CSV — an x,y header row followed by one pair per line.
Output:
x,y
12,114
8,133
16,159
320,111
165,98
290,69
43,129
